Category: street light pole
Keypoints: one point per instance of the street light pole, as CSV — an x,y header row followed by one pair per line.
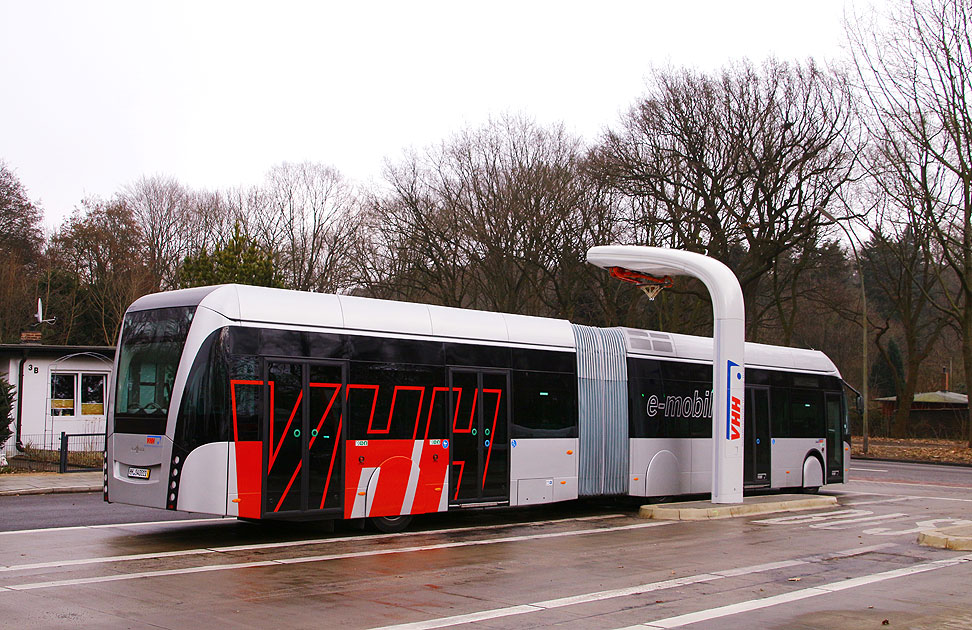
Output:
x,y
864,367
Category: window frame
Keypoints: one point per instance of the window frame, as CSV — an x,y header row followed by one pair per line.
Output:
x,y
74,394
77,408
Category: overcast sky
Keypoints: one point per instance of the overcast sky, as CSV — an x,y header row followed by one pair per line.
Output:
x,y
95,94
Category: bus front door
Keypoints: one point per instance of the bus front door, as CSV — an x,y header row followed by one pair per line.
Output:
x,y
756,465
835,438
302,438
479,437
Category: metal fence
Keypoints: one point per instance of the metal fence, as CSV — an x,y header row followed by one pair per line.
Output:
x,y
69,452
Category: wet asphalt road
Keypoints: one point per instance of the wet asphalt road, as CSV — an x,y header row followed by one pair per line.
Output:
x,y
592,565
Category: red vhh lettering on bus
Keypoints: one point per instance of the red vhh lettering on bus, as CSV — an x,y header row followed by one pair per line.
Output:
x,y
735,414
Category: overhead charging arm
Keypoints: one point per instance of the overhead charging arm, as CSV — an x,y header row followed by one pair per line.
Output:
x,y
728,340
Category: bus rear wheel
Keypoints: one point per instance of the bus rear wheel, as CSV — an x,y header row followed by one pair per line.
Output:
x,y
391,524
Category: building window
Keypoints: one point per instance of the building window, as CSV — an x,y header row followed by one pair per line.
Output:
x,y
67,388
92,394
62,394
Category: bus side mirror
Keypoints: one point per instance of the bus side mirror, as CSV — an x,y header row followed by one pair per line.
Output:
x,y
860,404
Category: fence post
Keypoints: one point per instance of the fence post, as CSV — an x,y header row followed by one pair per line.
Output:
x,y
64,452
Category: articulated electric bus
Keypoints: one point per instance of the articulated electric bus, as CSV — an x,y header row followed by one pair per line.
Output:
x,y
265,403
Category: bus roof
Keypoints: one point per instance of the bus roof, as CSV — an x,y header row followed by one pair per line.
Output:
x,y
282,307
262,305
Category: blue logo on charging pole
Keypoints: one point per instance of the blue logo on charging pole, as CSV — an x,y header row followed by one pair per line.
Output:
x,y
733,404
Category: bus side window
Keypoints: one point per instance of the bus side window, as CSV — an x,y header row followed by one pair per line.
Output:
x,y
806,414
205,415
249,398
779,397
374,387
544,404
646,402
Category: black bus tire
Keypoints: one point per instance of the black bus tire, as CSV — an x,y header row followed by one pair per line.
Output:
x,y
391,524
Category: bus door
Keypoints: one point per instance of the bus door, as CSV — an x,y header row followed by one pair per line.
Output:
x,y
479,437
302,436
757,457
835,438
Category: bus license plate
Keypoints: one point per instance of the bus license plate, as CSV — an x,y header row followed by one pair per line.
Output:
x,y
138,473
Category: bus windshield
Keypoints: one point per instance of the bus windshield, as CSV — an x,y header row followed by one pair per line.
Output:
x,y
151,346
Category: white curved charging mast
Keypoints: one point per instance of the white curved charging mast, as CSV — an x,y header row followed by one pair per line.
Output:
x,y
728,338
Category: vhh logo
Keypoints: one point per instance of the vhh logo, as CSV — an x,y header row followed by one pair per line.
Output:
x,y
734,406
735,414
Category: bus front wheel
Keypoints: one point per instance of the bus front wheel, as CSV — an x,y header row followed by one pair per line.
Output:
x,y
391,524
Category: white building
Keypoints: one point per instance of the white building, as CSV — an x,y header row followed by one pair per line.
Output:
x,y
57,388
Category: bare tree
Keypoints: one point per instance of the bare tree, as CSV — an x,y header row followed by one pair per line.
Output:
x,y
102,250
21,239
808,283
902,280
412,247
497,218
162,210
306,215
736,166
214,216
915,77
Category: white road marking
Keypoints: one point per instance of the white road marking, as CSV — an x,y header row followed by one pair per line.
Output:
x,y
280,545
868,469
920,526
906,466
837,519
892,500
843,524
70,528
800,519
83,561
323,558
586,598
757,604
913,484
903,496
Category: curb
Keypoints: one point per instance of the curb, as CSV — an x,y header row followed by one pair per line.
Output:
x,y
702,511
946,539
868,458
64,490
